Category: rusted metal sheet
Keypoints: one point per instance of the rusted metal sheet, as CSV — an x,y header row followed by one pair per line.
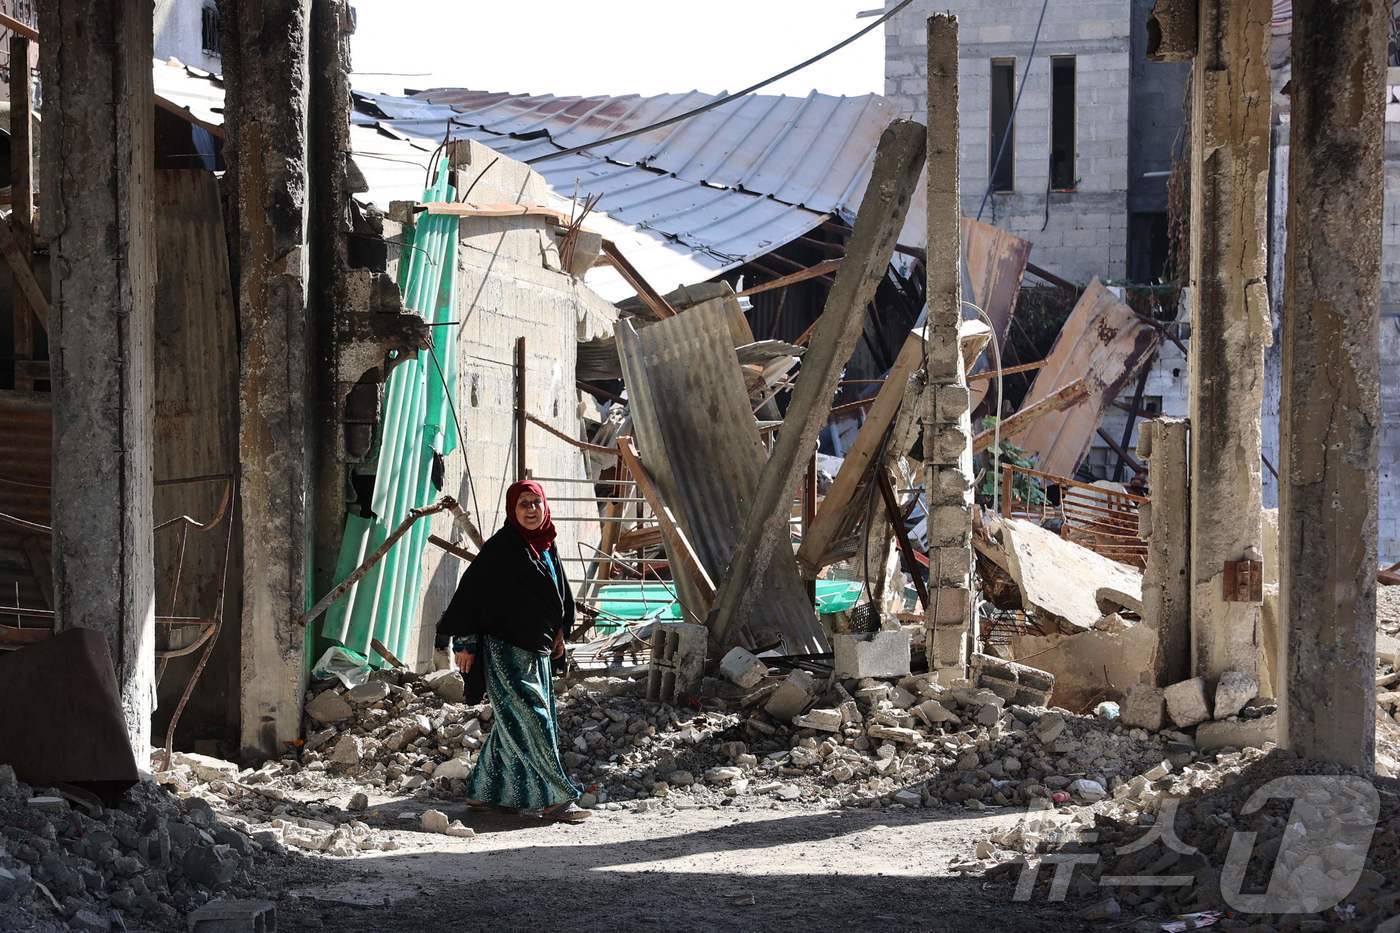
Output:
x,y
1103,343
994,263
196,391
699,440
62,719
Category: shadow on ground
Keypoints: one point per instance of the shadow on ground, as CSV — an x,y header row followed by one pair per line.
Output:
x,y
854,870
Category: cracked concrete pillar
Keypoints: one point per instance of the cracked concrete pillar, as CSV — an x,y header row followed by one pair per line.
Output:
x,y
96,164
1331,364
267,75
1229,322
947,422
1165,524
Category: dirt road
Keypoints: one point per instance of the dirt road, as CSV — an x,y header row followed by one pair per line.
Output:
x,y
703,869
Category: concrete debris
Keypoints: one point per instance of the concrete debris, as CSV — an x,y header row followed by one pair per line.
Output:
x,y
1187,704
877,654
230,916
742,668
1145,707
1014,683
1340,826
793,696
144,863
1063,582
1232,692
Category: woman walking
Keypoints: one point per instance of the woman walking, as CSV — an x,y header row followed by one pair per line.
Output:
x,y
507,618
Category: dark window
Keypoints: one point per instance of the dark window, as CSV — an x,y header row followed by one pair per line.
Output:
x,y
1062,123
1001,163
209,29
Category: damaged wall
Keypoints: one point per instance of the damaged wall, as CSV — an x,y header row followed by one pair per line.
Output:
x,y
510,285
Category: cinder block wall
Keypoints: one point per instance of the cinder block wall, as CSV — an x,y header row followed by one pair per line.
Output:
x,y
1085,231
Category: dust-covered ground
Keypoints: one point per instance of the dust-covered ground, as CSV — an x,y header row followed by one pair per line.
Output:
x,y
783,868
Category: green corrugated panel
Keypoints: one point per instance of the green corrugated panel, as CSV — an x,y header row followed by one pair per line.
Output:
x,y
417,421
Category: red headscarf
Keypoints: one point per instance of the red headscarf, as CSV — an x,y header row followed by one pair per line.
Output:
x,y
542,537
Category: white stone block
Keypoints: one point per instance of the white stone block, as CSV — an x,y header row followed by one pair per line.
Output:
x,y
1232,692
1187,703
742,668
879,654
1144,707
792,696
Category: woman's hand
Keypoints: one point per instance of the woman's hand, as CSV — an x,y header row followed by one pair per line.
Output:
x,y
464,661
558,645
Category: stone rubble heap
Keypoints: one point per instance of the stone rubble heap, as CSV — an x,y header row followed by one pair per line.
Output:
x,y
66,864
856,742
1311,832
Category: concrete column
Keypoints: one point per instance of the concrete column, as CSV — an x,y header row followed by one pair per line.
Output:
x,y
947,422
1229,321
1165,524
1331,363
266,72
96,167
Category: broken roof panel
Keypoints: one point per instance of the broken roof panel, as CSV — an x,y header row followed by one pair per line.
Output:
x,y
714,191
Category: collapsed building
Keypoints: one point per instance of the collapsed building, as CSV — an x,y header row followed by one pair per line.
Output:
x,y
279,348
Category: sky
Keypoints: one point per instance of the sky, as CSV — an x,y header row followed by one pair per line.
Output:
x,y
613,46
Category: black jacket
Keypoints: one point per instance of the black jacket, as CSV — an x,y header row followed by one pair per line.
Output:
x,y
507,593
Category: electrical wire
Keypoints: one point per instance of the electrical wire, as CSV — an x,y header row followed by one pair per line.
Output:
x,y
1016,105
720,102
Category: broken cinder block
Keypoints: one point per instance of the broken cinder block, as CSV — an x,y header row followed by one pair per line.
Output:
x,y
223,916
1187,703
878,654
677,661
1237,733
742,668
1232,692
1145,707
792,696
1014,683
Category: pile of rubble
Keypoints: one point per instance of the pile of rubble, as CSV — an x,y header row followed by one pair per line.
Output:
x,y
1185,834
67,862
751,738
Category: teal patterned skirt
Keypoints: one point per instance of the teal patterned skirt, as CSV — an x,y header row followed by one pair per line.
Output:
x,y
519,765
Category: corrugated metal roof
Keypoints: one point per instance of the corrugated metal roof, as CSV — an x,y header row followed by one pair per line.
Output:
x,y
683,203
718,189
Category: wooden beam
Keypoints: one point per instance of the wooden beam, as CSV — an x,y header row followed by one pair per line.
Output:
x,y
901,536
766,536
385,653
23,30
812,272
678,547
1123,455
449,547
24,273
650,296
1068,397
467,209
24,311
830,517
1006,371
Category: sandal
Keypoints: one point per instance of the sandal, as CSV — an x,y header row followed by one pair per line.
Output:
x,y
568,812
